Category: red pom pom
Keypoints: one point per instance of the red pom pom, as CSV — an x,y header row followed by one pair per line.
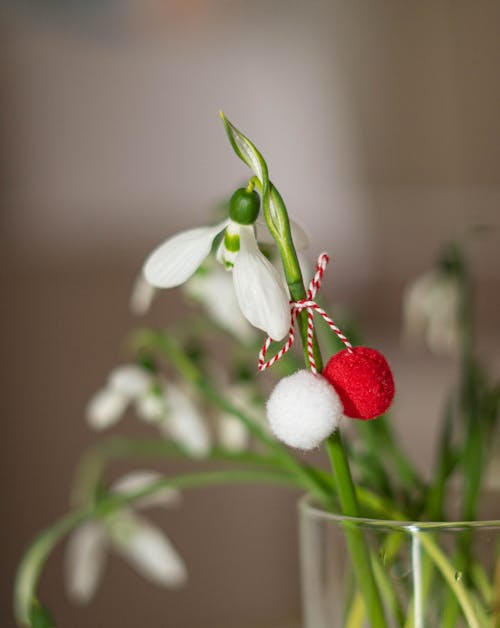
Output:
x,y
363,380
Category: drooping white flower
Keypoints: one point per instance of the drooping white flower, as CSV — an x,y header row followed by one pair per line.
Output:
x,y
168,406
141,543
261,294
125,384
431,312
105,408
184,424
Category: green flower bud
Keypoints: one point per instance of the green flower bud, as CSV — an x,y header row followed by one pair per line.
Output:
x,y
244,206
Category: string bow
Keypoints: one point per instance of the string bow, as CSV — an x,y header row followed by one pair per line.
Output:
x,y
311,307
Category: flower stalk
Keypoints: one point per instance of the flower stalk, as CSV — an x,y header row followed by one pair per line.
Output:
x,y
276,216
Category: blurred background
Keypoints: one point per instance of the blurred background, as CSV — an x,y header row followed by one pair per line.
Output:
x,y
380,125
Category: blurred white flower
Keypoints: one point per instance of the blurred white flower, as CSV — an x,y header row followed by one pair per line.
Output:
x,y
231,432
223,309
167,405
142,296
144,545
184,423
431,312
260,292
126,384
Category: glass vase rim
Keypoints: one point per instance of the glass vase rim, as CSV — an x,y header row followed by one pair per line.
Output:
x,y
307,505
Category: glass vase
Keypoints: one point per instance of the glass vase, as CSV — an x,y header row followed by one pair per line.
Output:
x,y
428,574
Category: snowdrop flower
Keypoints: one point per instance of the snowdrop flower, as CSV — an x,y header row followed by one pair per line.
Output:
x,y
431,311
126,383
184,423
260,291
141,543
156,401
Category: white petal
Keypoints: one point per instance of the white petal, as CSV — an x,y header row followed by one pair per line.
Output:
x,y
174,261
151,554
151,407
84,561
105,408
416,307
442,336
431,312
140,479
299,235
185,424
214,291
233,435
130,380
259,289
143,294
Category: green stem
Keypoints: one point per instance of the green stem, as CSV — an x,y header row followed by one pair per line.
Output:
x,y
472,458
462,599
346,491
31,565
90,468
358,549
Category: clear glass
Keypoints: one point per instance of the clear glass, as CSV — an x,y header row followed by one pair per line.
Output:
x,y
429,574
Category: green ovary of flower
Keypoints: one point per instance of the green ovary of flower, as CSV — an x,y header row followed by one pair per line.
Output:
x,y
231,242
244,206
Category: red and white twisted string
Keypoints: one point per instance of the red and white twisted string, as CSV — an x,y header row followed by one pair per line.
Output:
x,y
311,307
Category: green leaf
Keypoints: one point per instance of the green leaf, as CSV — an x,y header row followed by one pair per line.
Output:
x,y
40,616
246,150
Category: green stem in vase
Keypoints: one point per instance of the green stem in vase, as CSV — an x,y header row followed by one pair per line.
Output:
x,y
276,216
362,563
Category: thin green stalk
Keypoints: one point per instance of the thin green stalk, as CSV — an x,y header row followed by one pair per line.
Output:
x,y
33,561
475,618
345,487
358,549
276,216
356,614
472,456
482,583
91,466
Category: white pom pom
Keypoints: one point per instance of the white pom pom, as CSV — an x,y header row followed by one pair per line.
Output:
x,y
303,410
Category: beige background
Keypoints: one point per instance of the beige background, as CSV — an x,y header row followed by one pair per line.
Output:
x,y
380,124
